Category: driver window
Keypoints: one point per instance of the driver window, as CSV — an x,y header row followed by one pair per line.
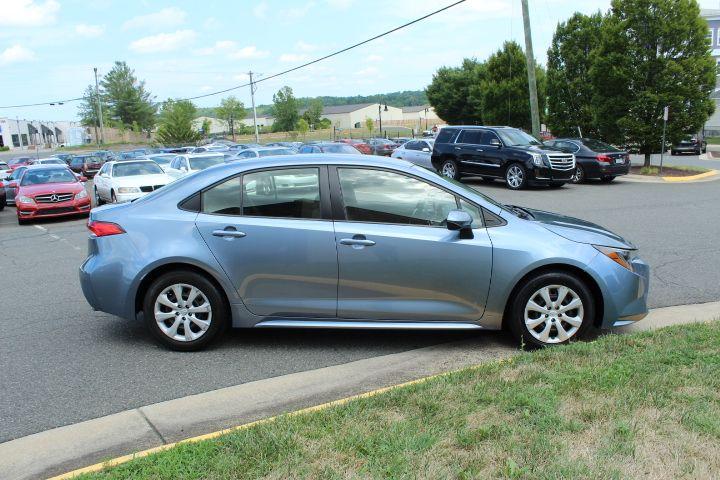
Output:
x,y
378,196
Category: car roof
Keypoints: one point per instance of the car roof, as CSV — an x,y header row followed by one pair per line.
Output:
x,y
46,166
133,160
315,159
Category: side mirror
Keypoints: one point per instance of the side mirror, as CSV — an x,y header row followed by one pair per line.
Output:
x,y
459,220
183,169
425,149
83,179
495,142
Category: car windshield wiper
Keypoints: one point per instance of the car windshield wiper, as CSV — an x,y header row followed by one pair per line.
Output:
x,y
520,212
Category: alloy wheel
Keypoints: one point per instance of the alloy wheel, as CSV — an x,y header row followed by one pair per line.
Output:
x,y
448,170
554,314
182,312
514,176
578,176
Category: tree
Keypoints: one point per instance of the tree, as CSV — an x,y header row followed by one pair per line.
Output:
x,y
127,98
454,93
206,127
176,122
504,88
569,85
231,110
88,109
370,125
285,110
652,54
314,112
303,127
324,123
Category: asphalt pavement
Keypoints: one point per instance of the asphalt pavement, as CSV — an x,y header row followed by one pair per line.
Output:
x,y
63,363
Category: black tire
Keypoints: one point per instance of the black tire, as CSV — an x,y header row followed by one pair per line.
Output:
x,y
515,319
2,205
579,175
113,198
449,168
516,176
556,184
218,309
98,201
22,221
673,153
607,178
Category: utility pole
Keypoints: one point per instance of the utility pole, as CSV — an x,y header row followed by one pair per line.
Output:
x,y
252,97
99,107
534,110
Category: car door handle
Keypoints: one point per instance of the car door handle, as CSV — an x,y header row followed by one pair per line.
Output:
x,y
228,233
357,242
479,150
458,148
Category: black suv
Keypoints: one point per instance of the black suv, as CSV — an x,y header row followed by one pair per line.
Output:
x,y
500,152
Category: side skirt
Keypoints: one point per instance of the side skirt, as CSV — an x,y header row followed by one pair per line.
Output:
x,y
368,325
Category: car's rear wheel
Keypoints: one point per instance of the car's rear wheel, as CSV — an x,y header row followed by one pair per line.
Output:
x,y
449,169
551,309
579,175
98,201
515,177
184,310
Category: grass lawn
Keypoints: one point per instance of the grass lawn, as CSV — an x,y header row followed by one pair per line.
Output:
x,y
670,170
625,406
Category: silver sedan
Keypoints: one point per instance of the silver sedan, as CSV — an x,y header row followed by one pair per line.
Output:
x,y
417,152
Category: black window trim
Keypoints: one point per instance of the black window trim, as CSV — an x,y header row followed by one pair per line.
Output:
x,y
338,209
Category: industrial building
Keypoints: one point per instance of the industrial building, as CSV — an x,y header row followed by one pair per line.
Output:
x,y
21,134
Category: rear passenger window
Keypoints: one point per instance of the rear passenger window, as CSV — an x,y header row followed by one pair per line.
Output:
x,y
288,193
445,135
223,199
471,136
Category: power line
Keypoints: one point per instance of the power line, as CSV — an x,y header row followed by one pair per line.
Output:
x,y
284,72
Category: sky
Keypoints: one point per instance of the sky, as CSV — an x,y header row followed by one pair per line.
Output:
x,y
48,48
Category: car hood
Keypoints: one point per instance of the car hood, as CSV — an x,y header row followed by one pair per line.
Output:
x,y
142,180
580,231
50,188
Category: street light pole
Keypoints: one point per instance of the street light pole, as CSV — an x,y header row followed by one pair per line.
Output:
x,y
380,118
252,97
534,110
99,107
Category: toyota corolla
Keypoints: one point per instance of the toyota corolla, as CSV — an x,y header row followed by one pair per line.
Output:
x,y
343,241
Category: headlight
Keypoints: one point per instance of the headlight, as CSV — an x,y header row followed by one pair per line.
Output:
x,y
620,256
24,199
537,159
129,190
81,194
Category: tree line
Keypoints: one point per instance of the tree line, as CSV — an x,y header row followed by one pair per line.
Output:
x,y
609,76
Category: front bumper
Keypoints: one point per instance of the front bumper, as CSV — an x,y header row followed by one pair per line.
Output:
x,y
545,174
129,197
624,292
27,211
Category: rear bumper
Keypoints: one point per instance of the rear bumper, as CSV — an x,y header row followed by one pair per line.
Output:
x,y
594,169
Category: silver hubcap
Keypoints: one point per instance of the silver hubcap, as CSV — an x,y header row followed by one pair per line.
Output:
x,y
514,176
578,175
448,170
183,312
554,314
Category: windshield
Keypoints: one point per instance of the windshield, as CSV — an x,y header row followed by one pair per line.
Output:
x,y
514,137
131,169
339,148
4,166
598,146
201,163
275,151
39,177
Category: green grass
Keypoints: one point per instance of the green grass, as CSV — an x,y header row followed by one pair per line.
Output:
x,y
713,140
643,405
653,170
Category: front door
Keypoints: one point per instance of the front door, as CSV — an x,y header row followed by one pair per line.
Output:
x,y
397,260
269,233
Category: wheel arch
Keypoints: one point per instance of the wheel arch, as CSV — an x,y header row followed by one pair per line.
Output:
x,y
562,268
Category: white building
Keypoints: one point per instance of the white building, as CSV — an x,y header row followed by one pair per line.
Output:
x,y
355,116
262,121
217,125
20,134
424,115
712,126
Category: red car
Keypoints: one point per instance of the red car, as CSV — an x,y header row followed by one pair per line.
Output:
x,y
19,162
50,191
361,146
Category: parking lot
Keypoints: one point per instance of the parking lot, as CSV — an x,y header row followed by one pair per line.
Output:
x,y
63,363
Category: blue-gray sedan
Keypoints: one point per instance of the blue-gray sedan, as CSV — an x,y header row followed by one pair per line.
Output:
x,y
345,241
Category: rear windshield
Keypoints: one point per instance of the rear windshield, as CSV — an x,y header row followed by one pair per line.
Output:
x,y
598,146
131,169
339,148
201,163
55,175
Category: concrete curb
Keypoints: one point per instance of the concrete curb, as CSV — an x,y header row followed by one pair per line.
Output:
x,y
710,176
692,178
156,426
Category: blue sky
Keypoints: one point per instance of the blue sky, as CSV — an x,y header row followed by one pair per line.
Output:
x,y
48,48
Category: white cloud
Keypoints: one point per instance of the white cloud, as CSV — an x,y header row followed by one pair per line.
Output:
x,y
163,42
296,13
340,4
373,58
89,30
248,52
367,71
16,54
165,18
260,10
27,13
305,47
218,47
206,88
293,57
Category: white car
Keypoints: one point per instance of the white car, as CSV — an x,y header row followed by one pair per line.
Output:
x,y
4,171
119,182
416,151
262,152
49,161
185,164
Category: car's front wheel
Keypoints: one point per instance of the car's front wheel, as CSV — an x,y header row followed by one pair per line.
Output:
x,y
550,309
449,169
184,310
579,175
516,177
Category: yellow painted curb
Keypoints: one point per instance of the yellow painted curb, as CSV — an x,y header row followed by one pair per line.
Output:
x,y
144,453
691,178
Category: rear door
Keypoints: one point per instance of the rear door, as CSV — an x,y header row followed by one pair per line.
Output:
x,y
272,233
469,151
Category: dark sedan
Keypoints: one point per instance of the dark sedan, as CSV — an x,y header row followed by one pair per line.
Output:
x,y
594,159
330,147
690,145
382,146
87,165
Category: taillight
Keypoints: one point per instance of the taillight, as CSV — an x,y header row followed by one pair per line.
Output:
x,y
104,229
604,159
